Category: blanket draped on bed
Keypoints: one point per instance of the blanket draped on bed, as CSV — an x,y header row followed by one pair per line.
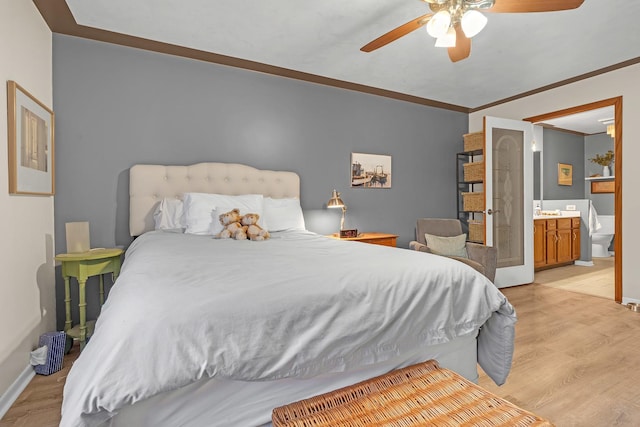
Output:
x,y
298,305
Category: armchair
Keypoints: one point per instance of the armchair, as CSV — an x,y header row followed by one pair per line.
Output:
x,y
481,258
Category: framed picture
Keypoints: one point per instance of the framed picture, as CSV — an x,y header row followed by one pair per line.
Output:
x,y
565,174
31,127
370,170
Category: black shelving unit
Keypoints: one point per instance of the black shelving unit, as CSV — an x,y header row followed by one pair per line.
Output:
x,y
466,186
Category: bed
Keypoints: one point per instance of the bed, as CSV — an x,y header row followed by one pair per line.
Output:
x,y
199,331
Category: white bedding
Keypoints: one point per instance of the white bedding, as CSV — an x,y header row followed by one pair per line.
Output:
x,y
187,307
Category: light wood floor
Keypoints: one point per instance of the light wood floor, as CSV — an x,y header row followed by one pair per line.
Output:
x,y
575,363
597,280
576,358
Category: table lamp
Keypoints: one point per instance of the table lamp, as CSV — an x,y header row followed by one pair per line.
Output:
x,y
336,202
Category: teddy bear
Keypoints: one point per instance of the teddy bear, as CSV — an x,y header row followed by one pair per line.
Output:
x,y
254,231
233,229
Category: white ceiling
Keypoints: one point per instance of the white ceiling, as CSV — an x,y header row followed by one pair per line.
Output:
x,y
514,54
588,122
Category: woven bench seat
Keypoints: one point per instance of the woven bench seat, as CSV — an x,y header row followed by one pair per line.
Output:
x,y
420,395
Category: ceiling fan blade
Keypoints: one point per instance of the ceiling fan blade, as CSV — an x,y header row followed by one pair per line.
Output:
x,y
396,33
462,49
519,6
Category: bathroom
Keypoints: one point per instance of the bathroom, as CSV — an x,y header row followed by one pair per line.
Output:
x,y
569,183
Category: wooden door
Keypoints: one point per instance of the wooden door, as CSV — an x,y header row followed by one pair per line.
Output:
x,y
575,243
551,247
564,245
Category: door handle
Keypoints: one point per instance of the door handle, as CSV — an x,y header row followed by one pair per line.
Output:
x,y
491,211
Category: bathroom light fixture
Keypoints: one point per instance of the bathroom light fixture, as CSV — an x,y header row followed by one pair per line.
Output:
x,y
611,130
611,126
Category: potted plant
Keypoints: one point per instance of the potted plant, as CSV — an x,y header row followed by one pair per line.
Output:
x,y
604,160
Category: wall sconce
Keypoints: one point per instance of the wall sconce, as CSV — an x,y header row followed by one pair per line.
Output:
x,y
336,202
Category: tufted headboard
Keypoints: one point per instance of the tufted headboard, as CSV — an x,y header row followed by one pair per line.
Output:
x,y
148,184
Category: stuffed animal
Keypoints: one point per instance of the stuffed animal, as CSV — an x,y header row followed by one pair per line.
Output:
x,y
233,229
254,231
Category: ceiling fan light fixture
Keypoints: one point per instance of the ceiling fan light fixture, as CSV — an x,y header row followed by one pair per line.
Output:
x,y
439,24
472,22
448,39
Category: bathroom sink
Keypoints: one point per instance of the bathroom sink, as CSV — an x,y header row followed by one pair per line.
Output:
x,y
557,214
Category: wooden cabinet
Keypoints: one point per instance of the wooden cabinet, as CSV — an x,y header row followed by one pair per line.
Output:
x,y
575,237
555,242
539,239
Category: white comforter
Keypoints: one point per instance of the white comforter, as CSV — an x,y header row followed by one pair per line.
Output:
x,y
187,307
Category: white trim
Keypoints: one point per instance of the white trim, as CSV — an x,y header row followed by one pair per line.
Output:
x,y
584,263
14,390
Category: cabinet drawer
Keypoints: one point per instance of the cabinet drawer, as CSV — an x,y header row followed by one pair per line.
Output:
x,y
564,223
575,222
551,224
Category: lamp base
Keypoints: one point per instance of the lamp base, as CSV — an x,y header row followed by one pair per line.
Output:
x,y
348,233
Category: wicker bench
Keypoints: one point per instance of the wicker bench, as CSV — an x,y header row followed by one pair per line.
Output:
x,y
419,395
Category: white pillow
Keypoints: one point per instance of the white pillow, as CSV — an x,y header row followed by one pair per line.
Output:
x,y
169,214
447,246
283,214
201,210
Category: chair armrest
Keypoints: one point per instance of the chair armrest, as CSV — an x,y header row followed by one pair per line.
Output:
x,y
471,263
417,246
485,255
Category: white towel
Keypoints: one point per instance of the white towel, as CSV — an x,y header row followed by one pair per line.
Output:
x,y
594,224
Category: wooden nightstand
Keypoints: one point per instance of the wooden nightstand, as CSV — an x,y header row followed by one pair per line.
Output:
x,y
383,239
83,265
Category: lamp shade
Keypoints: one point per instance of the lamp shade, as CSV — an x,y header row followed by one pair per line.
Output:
x,y
447,40
335,201
439,24
472,22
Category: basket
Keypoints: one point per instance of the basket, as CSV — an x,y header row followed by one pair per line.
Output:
x,y
476,231
473,202
419,395
473,141
473,171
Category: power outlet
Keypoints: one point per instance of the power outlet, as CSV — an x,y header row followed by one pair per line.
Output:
x,y
571,207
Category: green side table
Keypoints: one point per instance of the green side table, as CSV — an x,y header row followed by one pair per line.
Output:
x,y
82,265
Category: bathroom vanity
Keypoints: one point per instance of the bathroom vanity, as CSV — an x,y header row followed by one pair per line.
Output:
x,y
556,240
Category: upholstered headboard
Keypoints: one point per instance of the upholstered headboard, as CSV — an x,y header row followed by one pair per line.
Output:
x,y
148,184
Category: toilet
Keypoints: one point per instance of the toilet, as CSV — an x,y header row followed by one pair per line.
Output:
x,y
601,239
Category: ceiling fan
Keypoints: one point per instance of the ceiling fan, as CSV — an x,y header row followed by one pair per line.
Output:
x,y
454,22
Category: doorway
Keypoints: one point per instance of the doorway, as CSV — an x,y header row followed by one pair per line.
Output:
x,y
617,104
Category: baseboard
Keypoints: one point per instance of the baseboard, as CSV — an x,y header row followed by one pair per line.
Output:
x,y
584,263
628,300
14,390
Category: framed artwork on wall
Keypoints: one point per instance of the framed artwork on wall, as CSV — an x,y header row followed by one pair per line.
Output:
x,y
31,145
370,170
565,174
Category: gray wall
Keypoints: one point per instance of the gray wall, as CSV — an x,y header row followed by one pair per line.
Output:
x,y
598,144
117,106
562,147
